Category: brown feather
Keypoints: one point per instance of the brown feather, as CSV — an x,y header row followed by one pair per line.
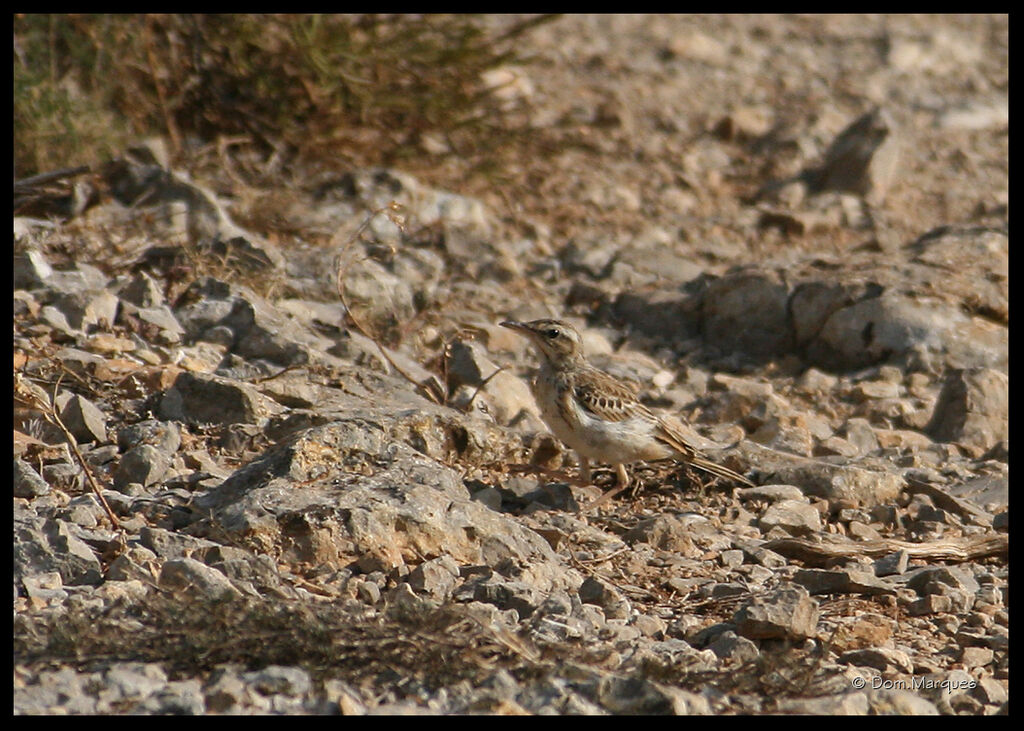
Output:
x,y
605,397
716,469
671,436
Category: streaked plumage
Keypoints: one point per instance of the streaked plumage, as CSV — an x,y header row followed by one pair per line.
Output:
x,y
597,415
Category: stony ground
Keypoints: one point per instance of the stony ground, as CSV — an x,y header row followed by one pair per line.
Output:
x,y
274,455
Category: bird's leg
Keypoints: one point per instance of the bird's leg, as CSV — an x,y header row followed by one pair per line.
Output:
x,y
622,483
584,468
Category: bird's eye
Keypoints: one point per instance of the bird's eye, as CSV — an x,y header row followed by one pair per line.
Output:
x,y
552,333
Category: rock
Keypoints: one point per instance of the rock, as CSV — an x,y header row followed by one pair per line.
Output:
x,y
723,590
931,604
892,563
812,303
185,209
79,295
762,556
664,532
845,704
698,46
86,422
862,159
381,298
788,612
664,314
83,510
790,438
731,559
144,464
883,659
179,697
170,544
132,565
56,320
44,589
507,595
990,691
931,580
770,493
225,691
796,517
895,328
31,269
842,581
160,322
896,702
972,657
505,397
468,364
637,695
874,390
605,595
195,579
128,683
867,629
902,439
859,433
435,578
142,291
25,305
973,408
202,399
748,311
237,316
817,478
277,679
729,646
62,689
961,248
43,546
862,532
164,435
27,482
365,494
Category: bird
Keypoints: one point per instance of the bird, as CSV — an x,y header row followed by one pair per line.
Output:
x,y
598,416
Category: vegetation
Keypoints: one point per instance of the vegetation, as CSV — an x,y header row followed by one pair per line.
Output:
x,y
363,88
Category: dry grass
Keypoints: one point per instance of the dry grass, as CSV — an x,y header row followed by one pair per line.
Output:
x,y
361,88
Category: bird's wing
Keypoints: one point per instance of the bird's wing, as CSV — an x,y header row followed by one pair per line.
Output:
x,y
606,397
673,436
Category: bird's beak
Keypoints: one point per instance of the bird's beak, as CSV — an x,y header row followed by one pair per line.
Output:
x,y
514,325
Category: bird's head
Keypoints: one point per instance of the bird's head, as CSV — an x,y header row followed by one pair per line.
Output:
x,y
557,342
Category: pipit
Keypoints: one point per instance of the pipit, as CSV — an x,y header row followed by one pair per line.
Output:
x,y
598,416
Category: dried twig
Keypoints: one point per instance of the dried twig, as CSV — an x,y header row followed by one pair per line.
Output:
x,y
272,376
431,388
49,411
816,554
26,184
481,386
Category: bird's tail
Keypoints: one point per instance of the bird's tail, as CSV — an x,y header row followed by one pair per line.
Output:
x,y
717,469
